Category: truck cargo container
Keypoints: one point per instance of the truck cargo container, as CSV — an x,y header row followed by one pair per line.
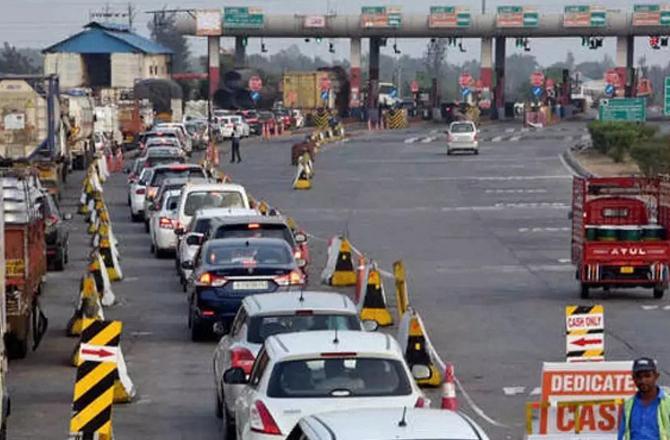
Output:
x,y
620,232
25,258
303,90
77,108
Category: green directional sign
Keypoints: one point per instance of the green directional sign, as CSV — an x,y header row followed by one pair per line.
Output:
x,y
242,18
666,107
510,9
598,18
442,10
380,17
517,17
449,17
623,109
531,19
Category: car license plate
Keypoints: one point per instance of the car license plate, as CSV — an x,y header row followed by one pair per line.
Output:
x,y
250,285
627,269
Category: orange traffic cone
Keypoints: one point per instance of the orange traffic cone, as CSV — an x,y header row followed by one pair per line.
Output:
x,y
449,389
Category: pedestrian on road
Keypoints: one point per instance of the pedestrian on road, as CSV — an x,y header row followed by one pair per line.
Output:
x,y
235,151
646,415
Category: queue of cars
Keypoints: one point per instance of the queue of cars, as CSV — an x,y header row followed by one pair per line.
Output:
x,y
291,363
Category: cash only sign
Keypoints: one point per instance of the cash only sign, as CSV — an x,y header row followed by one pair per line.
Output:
x,y
582,401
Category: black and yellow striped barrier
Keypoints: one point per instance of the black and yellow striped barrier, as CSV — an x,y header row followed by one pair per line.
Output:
x,y
320,119
395,119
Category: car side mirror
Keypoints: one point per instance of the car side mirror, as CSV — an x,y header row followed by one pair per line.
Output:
x,y
301,238
370,325
235,376
67,216
187,264
421,372
194,239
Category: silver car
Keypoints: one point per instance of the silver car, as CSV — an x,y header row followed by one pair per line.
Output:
x,y
162,223
463,136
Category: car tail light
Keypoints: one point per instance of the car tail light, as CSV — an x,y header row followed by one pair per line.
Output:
x,y
290,279
339,354
151,192
165,223
140,191
476,136
177,224
51,220
254,226
260,420
209,279
297,254
450,138
242,358
207,313
420,403
304,312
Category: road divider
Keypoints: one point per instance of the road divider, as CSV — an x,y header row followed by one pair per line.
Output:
x,y
88,306
372,303
339,270
303,176
418,349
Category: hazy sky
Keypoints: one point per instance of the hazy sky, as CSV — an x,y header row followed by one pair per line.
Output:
x,y
40,23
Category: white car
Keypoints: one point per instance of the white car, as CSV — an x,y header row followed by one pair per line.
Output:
x,y
162,223
189,239
389,423
463,136
299,374
138,193
197,196
185,135
227,124
261,316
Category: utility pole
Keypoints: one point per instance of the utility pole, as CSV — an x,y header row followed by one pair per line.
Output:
x,y
483,6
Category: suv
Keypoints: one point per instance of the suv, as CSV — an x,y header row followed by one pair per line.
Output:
x,y
299,374
261,316
197,196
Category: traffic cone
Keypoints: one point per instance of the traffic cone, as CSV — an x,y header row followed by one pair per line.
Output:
x,y
449,400
88,306
373,305
301,180
344,274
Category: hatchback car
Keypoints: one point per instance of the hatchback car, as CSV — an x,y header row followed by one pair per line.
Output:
x,y
162,223
388,423
462,136
299,374
261,316
210,195
225,271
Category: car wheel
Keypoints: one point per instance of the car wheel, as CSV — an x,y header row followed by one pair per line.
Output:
x,y
152,249
659,291
219,410
59,263
128,199
448,153
146,226
160,253
584,292
227,426
476,152
135,218
197,331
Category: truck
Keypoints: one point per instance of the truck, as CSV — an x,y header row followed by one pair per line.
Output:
x,y
25,258
620,233
77,108
31,129
387,95
134,117
303,90
4,392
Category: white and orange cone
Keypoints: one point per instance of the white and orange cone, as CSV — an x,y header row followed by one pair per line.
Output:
x,y
449,400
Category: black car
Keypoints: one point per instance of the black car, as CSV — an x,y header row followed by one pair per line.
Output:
x,y
225,271
56,234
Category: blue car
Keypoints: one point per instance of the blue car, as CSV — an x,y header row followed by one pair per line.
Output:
x,y
227,270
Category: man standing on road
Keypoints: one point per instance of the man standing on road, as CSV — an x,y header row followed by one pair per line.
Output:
x,y
235,151
646,415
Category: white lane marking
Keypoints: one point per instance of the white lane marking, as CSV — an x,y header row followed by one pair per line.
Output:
x,y
434,131
411,140
545,229
510,130
536,391
567,167
585,137
516,191
513,391
496,139
427,140
533,205
509,269
666,307
515,138
649,307
565,260
480,412
525,130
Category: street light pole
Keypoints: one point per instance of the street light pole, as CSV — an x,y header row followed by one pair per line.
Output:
x,y
483,6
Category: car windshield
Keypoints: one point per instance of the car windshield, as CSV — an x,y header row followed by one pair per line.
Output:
x,y
462,128
261,327
146,175
212,199
163,152
167,173
255,230
339,377
249,255
386,89
163,160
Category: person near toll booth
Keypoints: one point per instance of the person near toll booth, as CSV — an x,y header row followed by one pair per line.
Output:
x,y
235,150
646,415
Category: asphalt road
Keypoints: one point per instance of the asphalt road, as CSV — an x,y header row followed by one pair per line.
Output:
x,y
484,238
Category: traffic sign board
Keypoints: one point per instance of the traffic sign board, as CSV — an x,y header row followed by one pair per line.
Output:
x,y
242,17
465,79
255,83
98,353
537,78
667,96
465,91
324,95
609,90
623,109
651,15
324,83
584,16
449,17
584,333
517,17
613,77
549,84
380,16
537,91
414,86
255,96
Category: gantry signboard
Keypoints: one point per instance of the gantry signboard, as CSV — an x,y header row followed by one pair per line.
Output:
x,y
517,17
584,16
208,22
449,17
242,18
651,15
381,17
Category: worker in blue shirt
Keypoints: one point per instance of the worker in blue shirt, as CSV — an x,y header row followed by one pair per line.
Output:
x,y
646,415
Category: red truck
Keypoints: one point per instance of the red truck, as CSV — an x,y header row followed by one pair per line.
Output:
x,y
25,259
620,232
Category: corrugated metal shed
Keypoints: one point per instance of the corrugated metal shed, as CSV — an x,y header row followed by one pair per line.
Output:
x,y
106,39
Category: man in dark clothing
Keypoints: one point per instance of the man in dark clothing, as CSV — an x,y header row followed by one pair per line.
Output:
x,y
235,151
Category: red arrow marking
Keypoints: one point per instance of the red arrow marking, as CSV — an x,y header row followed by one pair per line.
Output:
x,y
100,353
582,342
